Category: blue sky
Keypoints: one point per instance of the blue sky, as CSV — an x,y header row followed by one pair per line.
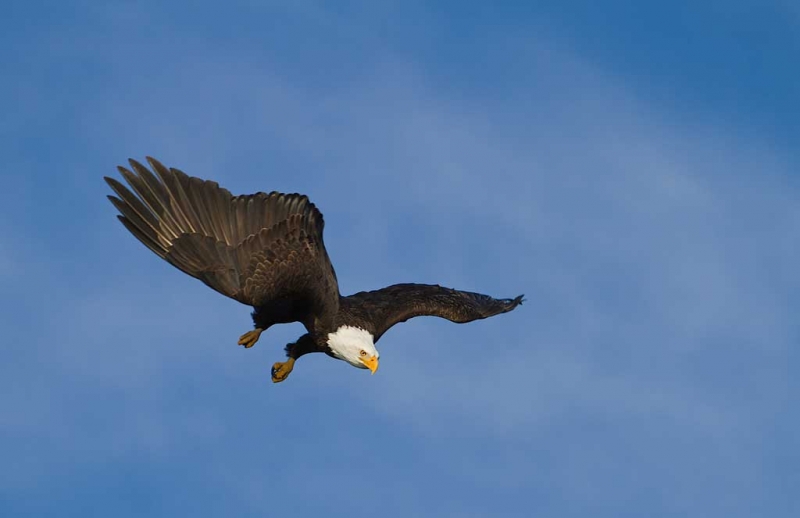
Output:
x,y
630,168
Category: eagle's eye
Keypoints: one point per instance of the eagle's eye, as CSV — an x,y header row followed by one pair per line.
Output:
x,y
363,353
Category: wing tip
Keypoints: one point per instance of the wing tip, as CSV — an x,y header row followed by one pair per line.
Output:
x,y
122,170
155,164
135,164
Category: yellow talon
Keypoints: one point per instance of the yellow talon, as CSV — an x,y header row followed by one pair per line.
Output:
x,y
250,338
281,370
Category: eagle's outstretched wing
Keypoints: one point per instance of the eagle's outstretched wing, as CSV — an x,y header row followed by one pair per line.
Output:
x,y
379,310
254,248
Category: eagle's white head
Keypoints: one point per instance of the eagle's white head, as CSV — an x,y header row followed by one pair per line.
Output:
x,y
355,346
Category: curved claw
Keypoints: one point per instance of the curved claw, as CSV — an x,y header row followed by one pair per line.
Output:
x,y
281,370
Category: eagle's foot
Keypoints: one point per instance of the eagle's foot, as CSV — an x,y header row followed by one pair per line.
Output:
x,y
250,338
281,370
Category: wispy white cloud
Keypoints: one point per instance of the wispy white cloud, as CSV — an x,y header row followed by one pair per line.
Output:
x,y
657,253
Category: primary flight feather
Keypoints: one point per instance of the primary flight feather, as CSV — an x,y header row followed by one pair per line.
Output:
x,y
266,251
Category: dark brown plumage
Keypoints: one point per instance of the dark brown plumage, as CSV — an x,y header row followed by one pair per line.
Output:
x,y
267,251
378,310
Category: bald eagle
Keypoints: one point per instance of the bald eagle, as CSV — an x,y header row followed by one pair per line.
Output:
x,y
266,251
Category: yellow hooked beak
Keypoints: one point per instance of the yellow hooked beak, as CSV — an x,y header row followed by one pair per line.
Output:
x,y
371,363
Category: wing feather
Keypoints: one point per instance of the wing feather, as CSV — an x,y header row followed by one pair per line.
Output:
x,y
379,310
253,248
